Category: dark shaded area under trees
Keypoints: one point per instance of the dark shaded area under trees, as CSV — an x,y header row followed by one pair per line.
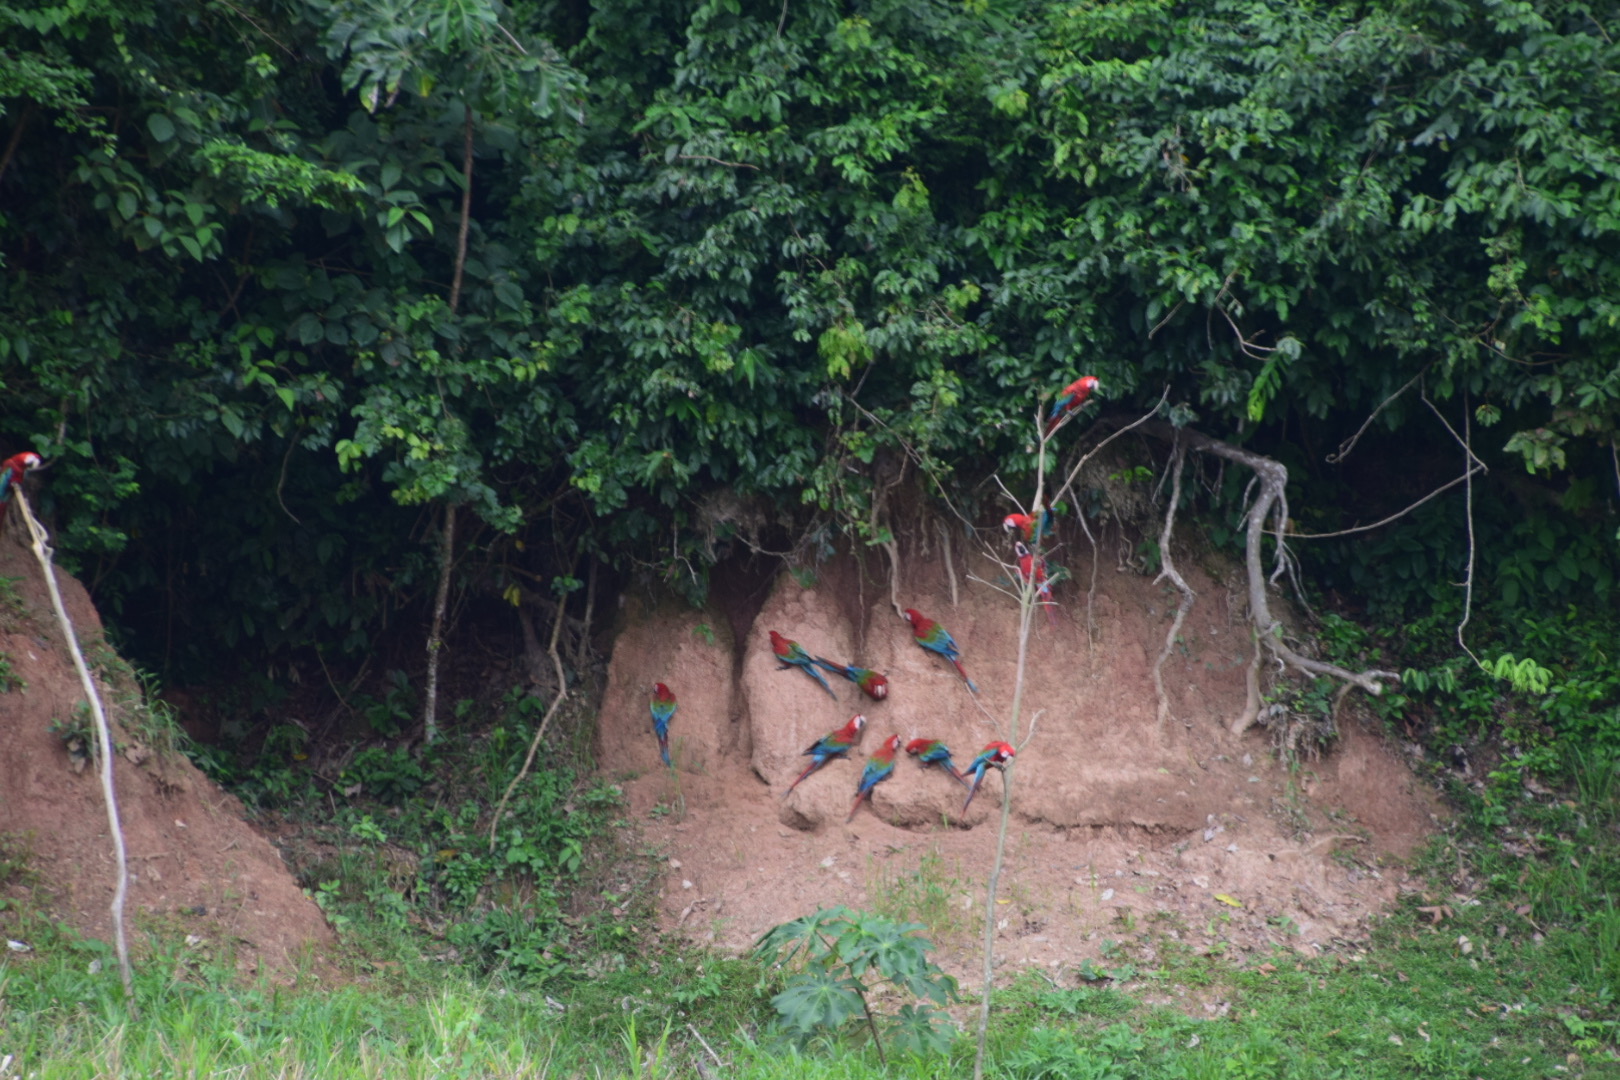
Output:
x,y
769,251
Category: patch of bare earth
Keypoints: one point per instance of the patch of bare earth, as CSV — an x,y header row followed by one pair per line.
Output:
x,y
1122,827
198,872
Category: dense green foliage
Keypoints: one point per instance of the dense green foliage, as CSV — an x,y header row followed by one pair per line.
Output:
x,y
774,252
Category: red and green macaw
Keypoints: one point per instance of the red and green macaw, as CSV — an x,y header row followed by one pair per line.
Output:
x,y
12,471
933,752
1025,524
792,654
994,756
1029,565
663,710
824,749
879,767
1074,395
934,637
875,685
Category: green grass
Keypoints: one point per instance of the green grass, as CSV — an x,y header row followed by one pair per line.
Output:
x,y
1504,966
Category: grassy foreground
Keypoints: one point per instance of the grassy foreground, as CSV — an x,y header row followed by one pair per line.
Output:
x,y
1508,968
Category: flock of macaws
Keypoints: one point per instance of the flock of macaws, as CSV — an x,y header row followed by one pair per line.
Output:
x,y
929,635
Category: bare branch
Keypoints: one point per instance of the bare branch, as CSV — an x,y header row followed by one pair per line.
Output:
x,y
1167,317
1380,524
1350,443
1074,473
1462,442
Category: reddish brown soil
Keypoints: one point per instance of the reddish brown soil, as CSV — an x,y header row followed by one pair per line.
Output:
x,y
1121,825
198,872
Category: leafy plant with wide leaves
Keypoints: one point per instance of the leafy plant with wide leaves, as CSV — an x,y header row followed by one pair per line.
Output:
x,y
838,956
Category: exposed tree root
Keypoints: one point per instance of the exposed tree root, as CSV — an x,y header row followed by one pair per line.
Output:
x,y
1251,692
1271,502
1167,569
950,565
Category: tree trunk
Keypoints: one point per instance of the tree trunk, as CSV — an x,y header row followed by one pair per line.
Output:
x,y
441,600
447,550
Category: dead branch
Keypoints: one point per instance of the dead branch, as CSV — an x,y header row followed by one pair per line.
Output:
x,y
1350,443
42,552
1074,473
1167,569
1273,479
1447,486
540,732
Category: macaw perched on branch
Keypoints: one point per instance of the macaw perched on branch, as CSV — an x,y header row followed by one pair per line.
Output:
x,y
792,654
879,767
12,471
933,752
875,685
824,749
663,709
1029,565
934,637
1074,395
996,755
1025,524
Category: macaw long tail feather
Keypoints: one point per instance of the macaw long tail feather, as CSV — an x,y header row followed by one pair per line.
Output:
x,y
963,672
836,669
854,808
973,789
663,748
816,675
812,767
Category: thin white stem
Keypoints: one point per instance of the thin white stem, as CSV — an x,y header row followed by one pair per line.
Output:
x,y
109,793
1468,502
545,721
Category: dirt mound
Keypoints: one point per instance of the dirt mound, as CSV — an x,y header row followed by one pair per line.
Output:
x,y
1119,819
196,868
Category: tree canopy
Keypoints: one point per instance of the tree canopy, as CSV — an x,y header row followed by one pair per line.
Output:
x,y
754,248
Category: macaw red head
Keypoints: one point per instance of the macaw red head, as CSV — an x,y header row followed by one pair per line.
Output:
x,y
878,686
1012,522
661,692
1003,752
17,464
1020,550
1089,383
857,724
891,744
917,746
912,615
777,640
